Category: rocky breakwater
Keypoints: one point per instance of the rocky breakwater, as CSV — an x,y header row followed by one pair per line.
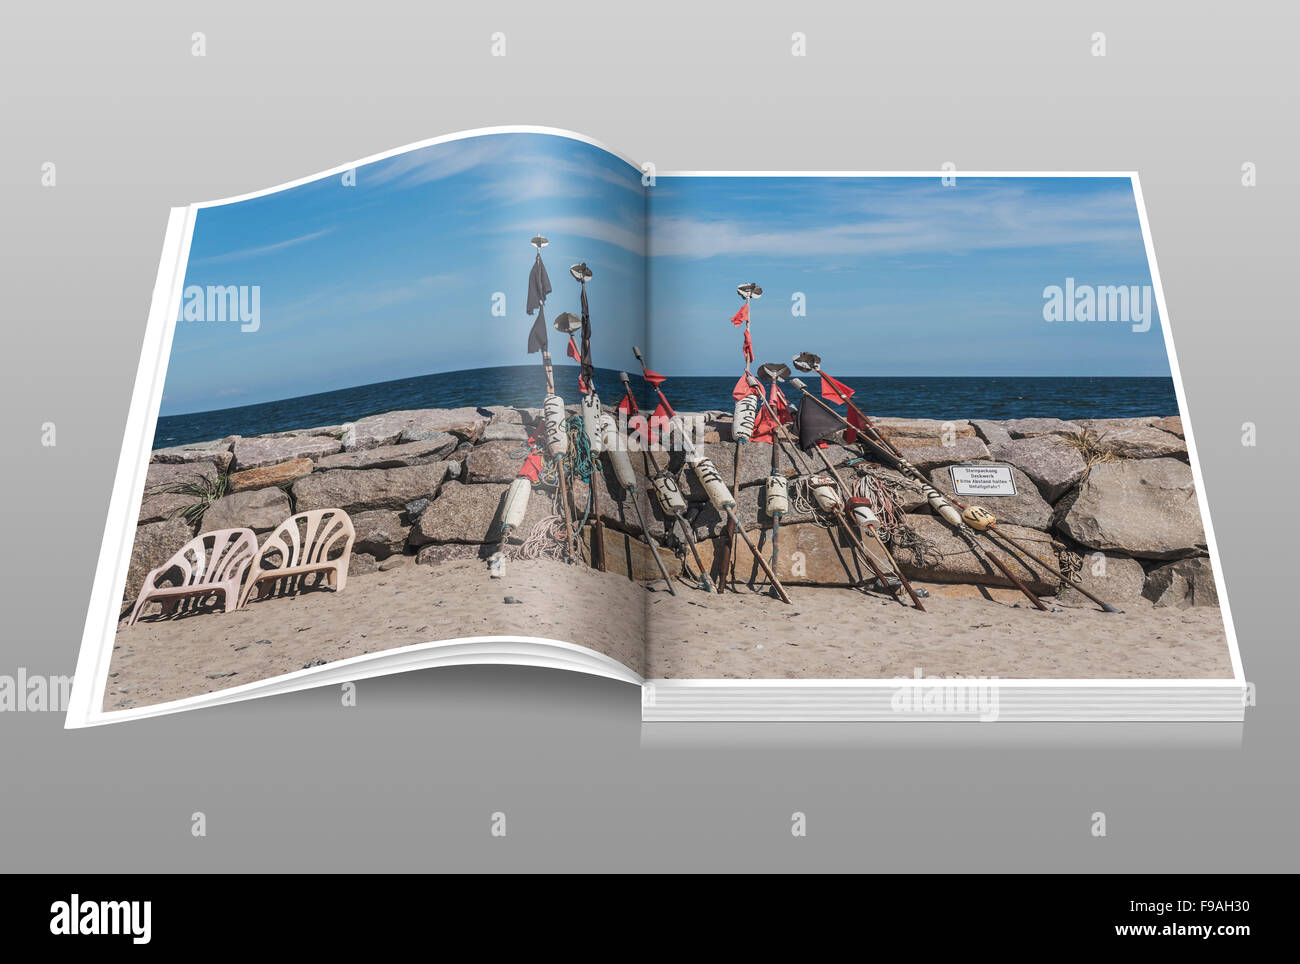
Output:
x,y
427,485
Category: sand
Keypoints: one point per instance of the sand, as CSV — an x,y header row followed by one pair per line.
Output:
x,y
826,633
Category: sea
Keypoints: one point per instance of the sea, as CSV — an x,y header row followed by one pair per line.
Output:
x,y
524,385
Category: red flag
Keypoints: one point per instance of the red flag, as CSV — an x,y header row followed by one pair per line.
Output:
x,y
654,378
573,350
856,421
627,405
763,427
749,347
744,387
532,467
780,405
830,386
582,382
659,421
742,316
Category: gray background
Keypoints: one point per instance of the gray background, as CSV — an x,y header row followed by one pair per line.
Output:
x,y
407,779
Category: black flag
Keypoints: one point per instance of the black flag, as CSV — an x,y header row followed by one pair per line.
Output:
x,y
815,424
587,369
537,335
539,286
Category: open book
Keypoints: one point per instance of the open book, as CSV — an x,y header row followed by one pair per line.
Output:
x,y
828,446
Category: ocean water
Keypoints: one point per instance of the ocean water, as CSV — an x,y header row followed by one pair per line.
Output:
x,y
524,385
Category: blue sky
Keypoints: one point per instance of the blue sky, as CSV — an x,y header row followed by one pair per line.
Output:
x,y
902,276
394,277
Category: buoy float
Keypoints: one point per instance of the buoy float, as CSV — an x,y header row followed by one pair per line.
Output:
x,y
979,517
744,417
617,452
942,506
714,487
778,496
862,513
823,490
516,507
557,436
591,422
669,493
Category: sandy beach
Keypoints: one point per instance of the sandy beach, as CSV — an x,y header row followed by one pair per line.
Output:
x,y
826,633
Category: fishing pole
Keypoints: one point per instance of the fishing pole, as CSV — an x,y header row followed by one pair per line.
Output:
x,y
862,514
553,414
743,419
827,499
868,435
977,517
667,490
777,502
725,503
590,402
716,489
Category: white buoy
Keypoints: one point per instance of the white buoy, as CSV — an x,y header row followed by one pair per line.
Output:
x,y
823,490
516,506
591,422
942,506
979,517
669,494
714,487
617,452
742,420
557,436
778,496
863,515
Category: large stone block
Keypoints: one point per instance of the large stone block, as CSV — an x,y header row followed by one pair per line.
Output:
x,y
256,453
1187,582
1146,508
361,490
435,448
258,509
282,473
1052,463
217,451
412,425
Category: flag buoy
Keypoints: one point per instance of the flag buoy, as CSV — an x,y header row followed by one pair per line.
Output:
x,y
744,417
557,437
516,507
941,505
862,513
823,490
714,487
617,452
778,496
670,495
979,517
591,422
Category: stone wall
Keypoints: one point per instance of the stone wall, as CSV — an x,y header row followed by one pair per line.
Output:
x,y
427,486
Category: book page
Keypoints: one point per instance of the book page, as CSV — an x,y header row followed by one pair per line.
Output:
x,y
975,459
349,452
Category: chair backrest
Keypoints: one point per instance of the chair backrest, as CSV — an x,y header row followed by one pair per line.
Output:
x,y
308,538
213,557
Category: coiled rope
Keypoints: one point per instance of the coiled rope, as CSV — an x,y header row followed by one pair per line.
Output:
x,y
546,539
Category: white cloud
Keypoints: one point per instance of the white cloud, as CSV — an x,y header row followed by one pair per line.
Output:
x,y
263,249
903,219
